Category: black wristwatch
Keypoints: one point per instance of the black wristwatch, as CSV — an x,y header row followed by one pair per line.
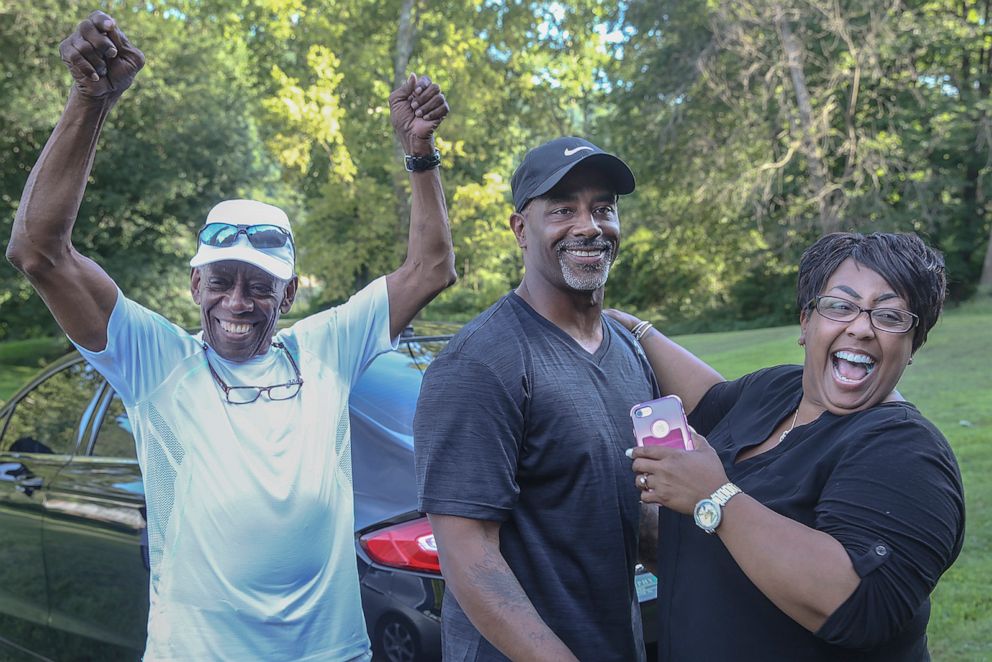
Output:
x,y
421,163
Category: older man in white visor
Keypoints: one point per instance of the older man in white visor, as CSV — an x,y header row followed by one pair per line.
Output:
x,y
241,431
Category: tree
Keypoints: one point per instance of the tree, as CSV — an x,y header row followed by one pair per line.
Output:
x,y
515,75
777,121
183,138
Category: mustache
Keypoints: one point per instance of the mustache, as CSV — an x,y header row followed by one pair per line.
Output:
x,y
585,245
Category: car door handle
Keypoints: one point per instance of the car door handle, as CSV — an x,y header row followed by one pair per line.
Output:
x,y
28,484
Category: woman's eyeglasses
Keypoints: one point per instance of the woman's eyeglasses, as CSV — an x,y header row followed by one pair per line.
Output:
x,y
891,320
260,236
244,395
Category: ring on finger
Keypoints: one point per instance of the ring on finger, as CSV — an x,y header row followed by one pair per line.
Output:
x,y
642,480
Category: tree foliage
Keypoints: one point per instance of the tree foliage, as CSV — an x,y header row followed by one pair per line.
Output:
x,y
773,122
752,127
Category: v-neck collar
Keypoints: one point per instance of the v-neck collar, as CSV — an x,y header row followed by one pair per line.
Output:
x,y
558,332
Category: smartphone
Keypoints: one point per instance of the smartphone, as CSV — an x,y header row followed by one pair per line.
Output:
x,y
661,422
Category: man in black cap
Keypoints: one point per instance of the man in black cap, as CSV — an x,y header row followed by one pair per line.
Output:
x,y
520,432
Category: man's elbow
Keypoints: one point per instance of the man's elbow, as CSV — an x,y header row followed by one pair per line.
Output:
x,y
450,276
440,275
26,261
34,263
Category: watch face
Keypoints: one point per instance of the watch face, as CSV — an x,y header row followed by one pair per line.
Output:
x,y
707,515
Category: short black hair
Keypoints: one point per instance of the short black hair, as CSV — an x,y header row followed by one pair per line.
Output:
x,y
910,266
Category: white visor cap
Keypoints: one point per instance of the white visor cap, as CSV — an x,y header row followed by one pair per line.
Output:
x,y
277,261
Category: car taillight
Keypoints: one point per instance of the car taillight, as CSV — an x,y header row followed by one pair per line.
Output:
x,y
409,546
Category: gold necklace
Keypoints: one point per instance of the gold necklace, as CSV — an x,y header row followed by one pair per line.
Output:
x,y
784,434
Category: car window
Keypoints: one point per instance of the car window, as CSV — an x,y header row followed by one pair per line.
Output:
x,y
387,392
46,419
115,438
424,351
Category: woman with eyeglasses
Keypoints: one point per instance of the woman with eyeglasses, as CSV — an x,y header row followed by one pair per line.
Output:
x,y
819,507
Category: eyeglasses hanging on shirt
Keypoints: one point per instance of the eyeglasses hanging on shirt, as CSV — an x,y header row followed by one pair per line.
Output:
x,y
244,395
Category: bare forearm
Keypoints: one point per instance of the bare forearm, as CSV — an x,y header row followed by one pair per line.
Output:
x,y
805,572
429,246
55,187
678,370
80,295
416,109
76,290
491,596
489,593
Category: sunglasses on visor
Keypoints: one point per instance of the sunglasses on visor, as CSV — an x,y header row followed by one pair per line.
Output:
x,y
260,236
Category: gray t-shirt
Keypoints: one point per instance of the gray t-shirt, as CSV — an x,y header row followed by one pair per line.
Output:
x,y
517,423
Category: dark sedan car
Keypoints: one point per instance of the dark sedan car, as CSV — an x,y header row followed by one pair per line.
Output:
x,y
73,543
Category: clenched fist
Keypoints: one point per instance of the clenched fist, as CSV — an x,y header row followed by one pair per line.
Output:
x,y
417,108
102,61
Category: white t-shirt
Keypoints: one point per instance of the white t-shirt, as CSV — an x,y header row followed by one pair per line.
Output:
x,y
250,507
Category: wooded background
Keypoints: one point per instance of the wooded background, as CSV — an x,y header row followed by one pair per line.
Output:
x,y
752,127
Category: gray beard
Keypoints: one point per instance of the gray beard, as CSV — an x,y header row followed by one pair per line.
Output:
x,y
585,279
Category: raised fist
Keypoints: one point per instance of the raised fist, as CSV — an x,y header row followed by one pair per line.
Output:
x,y
102,61
416,109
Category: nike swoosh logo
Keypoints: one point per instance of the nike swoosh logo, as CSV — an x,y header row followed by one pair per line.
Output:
x,y
570,152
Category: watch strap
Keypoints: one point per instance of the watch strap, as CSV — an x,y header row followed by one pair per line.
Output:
x,y
425,162
724,493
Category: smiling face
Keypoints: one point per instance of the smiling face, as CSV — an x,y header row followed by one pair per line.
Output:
x,y
851,366
239,307
570,236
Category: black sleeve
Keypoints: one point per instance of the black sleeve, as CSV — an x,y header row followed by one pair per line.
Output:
x,y
718,401
467,435
896,504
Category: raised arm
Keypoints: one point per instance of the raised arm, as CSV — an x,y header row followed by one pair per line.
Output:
x,y
489,593
417,109
678,371
78,291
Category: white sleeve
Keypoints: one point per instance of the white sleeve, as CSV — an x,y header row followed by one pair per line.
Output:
x,y
142,349
349,336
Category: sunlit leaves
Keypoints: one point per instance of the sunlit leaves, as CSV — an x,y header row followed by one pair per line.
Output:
x,y
310,117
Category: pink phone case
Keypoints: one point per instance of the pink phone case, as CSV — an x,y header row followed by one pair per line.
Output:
x,y
661,422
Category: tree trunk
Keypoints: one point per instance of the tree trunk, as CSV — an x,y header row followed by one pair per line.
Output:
x,y
823,190
405,37
973,197
985,281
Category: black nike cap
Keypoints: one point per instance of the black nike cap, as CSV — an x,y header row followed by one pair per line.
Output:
x,y
544,166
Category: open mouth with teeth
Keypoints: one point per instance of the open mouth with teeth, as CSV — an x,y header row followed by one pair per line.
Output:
x,y
235,328
851,367
586,254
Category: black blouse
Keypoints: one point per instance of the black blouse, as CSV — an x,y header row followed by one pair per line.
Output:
x,y
883,482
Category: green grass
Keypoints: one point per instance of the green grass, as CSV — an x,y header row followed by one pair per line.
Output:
x,y
951,383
